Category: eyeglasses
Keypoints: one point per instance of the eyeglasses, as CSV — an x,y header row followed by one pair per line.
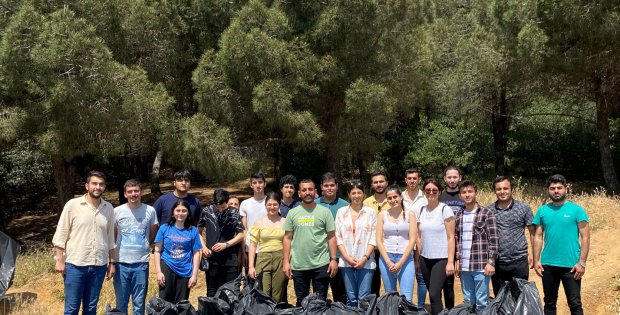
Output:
x,y
431,191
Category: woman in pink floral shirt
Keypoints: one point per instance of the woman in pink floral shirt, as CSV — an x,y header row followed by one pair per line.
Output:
x,y
355,233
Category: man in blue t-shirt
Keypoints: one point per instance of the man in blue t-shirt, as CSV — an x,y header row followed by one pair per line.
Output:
x,y
563,259
182,183
136,226
330,200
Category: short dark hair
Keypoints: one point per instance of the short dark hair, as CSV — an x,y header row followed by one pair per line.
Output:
x,y
288,180
500,179
305,181
273,196
258,175
355,184
413,170
452,167
183,174
468,183
556,178
220,196
188,221
432,181
131,183
378,173
328,176
96,174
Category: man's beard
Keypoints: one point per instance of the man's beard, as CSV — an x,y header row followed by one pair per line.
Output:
x,y
311,200
557,199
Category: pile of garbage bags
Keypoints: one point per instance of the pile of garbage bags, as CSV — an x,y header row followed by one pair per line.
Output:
x,y
519,297
516,297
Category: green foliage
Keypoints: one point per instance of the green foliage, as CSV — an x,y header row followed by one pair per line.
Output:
x,y
25,169
198,143
448,142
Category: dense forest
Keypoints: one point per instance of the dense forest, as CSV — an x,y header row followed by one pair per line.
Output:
x,y
223,87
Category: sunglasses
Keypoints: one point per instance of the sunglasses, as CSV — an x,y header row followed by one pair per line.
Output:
x,y
431,191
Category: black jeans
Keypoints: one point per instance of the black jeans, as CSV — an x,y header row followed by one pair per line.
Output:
x,y
175,289
506,271
434,273
375,286
339,294
552,276
218,275
302,279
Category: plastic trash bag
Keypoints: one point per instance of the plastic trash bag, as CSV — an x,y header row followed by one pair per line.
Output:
x,y
337,308
313,305
213,306
157,306
368,304
284,308
253,301
503,303
112,311
9,249
394,304
528,302
185,308
230,291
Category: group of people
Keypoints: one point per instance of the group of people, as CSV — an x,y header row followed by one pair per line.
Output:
x,y
422,234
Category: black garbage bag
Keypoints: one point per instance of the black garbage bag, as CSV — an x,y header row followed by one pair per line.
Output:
x,y
312,304
462,309
157,306
284,308
9,249
185,308
337,308
112,311
503,303
368,304
394,304
231,291
213,306
253,301
528,302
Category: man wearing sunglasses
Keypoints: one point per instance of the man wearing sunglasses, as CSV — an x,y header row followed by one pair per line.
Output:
x,y
512,216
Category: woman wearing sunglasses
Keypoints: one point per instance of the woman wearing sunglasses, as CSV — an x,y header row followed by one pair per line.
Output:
x,y
436,228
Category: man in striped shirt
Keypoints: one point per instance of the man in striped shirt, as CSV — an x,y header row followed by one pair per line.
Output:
x,y
476,247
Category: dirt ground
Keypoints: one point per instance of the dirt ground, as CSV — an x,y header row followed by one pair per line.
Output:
x,y
44,295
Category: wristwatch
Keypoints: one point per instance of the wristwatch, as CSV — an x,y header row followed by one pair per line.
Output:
x,y
492,263
333,258
582,264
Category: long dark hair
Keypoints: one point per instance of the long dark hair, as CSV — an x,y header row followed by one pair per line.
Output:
x,y
188,221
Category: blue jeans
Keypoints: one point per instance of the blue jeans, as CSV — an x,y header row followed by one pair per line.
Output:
x,y
405,276
82,286
475,287
421,290
357,283
131,280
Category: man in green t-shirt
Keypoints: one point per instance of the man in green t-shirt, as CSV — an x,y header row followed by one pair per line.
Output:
x,y
563,258
309,245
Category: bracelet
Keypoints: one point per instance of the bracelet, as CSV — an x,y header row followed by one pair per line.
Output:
x,y
227,244
366,256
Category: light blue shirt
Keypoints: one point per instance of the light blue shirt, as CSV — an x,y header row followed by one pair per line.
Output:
x,y
134,227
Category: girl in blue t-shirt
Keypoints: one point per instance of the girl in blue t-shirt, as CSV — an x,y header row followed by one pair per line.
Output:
x,y
177,254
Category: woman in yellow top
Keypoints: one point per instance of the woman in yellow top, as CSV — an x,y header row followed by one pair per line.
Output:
x,y
267,234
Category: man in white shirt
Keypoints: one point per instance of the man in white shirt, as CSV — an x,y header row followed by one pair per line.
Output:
x,y
414,200
252,210
84,246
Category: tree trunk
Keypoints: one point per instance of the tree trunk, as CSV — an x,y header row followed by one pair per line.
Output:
x,y
155,190
602,133
64,178
499,123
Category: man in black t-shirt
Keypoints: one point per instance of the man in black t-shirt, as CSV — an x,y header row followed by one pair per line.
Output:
x,y
450,196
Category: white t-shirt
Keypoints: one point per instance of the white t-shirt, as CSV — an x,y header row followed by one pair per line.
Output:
x,y
416,204
433,230
134,228
253,210
466,238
